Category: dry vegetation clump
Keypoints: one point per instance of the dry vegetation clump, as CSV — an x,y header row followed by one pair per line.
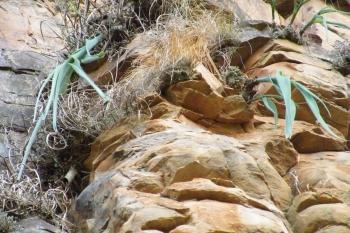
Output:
x,y
117,21
342,57
173,37
160,56
28,198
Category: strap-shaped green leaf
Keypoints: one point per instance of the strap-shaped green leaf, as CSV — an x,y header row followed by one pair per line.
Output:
x,y
302,89
37,101
29,144
52,92
327,10
284,85
79,70
273,8
311,102
91,43
271,106
91,58
297,7
62,82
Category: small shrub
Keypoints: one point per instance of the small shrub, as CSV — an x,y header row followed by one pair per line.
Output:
x,y
234,78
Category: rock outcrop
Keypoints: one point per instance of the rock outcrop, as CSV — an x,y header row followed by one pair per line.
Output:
x,y
206,162
29,46
200,157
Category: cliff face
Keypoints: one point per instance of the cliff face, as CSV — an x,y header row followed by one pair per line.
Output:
x,y
199,155
29,42
206,161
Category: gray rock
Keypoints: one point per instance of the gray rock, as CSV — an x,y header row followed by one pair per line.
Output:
x,y
23,60
35,225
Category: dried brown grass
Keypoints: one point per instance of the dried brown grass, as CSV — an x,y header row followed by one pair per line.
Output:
x,y
175,44
27,198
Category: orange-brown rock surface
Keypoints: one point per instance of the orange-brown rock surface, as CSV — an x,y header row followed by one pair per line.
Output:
x,y
206,161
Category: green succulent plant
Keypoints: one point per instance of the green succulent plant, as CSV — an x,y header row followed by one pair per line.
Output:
x,y
283,85
296,9
319,18
273,4
59,79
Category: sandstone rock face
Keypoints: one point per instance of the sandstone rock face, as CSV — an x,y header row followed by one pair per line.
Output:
x,y
177,164
315,73
171,174
29,26
207,161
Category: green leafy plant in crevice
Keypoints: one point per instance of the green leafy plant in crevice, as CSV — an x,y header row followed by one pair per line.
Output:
x,y
59,79
296,9
283,85
273,4
317,18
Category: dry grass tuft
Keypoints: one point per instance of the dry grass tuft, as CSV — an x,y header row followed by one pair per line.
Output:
x,y
163,55
117,21
27,198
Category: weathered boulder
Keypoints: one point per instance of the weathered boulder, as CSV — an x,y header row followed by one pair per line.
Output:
x,y
179,161
282,154
321,170
210,216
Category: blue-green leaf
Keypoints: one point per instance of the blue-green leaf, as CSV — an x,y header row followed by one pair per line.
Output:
x,y
339,25
271,106
30,143
91,43
63,81
284,85
327,10
303,89
311,102
79,70
91,58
